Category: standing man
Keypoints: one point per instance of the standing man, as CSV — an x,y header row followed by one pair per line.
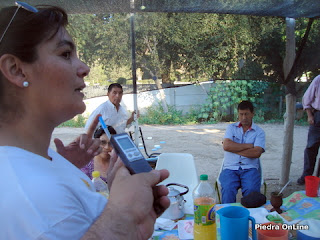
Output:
x,y
112,112
244,142
311,103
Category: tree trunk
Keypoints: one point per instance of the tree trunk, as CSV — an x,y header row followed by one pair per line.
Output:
x,y
288,137
159,87
162,96
290,102
165,76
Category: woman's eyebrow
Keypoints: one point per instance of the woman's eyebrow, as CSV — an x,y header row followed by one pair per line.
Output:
x,y
66,42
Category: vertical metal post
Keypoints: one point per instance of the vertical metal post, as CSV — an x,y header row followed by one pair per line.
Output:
x,y
134,72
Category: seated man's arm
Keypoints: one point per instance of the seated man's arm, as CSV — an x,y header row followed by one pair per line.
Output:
x,y
257,147
249,150
231,146
254,152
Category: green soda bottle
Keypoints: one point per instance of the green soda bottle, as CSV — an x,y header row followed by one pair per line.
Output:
x,y
204,198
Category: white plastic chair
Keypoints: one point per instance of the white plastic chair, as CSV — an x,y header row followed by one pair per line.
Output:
x,y
183,171
218,183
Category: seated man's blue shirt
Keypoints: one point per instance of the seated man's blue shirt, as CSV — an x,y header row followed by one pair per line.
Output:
x,y
254,135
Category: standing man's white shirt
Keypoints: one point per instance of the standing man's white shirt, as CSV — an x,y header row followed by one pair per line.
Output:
x,y
112,117
112,112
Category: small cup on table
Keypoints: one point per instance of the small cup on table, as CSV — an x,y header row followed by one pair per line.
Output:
x,y
276,201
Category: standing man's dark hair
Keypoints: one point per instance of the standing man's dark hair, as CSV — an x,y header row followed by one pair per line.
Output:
x,y
114,85
246,105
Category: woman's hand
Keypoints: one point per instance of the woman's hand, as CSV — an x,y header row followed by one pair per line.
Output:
x,y
138,200
134,204
83,149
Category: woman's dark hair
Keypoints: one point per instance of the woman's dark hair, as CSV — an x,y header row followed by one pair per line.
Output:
x,y
26,32
100,131
29,29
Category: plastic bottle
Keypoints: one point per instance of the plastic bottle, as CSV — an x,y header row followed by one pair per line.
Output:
x,y
100,185
204,197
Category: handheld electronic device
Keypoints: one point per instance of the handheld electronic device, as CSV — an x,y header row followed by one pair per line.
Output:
x,y
128,151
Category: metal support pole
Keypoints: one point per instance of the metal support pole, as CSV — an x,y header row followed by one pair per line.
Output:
x,y
134,73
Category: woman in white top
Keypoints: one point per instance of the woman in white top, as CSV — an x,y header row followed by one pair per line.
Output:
x,y
43,195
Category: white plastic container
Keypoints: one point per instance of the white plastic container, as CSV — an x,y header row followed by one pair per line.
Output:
x,y
100,185
313,231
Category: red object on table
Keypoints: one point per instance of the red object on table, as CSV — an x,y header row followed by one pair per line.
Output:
x,y
273,231
312,186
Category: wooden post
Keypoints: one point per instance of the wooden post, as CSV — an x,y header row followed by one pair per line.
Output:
x,y
290,102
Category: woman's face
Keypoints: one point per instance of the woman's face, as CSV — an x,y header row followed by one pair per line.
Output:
x,y
56,80
106,146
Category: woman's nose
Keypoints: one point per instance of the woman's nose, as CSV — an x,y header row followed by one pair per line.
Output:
x,y
83,69
105,146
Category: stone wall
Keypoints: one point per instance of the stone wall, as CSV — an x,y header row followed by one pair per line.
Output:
x,y
182,97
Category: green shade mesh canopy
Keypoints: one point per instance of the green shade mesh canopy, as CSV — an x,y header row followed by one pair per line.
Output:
x,y
280,8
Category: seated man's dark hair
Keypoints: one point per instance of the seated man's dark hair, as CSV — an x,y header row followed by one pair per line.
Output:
x,y
246,105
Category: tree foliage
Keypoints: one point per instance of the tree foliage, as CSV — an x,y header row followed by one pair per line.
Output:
x,y
193,46
224,97
103,40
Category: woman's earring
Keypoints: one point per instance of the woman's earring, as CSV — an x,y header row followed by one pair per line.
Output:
x,y
25,84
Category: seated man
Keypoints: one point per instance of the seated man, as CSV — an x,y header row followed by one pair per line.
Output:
x,y
244,142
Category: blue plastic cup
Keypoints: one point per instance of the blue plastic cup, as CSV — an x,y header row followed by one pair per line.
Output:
x,y
234,223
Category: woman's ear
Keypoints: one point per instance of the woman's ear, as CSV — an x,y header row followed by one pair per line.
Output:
x,y
12,69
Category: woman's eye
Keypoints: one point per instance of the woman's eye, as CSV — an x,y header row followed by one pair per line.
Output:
x,y
66,55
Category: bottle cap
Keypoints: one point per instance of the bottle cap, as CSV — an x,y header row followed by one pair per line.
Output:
x,y
203,177
95,174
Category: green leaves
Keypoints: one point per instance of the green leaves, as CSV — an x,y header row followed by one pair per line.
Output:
x,y
190,47
102,40
156,115
226,95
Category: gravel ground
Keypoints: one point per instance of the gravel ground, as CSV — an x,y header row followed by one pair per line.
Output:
x,y
204,142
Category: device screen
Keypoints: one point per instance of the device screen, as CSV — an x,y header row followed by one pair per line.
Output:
x,y
125,143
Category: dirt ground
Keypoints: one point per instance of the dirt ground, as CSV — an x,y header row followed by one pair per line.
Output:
x,y
204,142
